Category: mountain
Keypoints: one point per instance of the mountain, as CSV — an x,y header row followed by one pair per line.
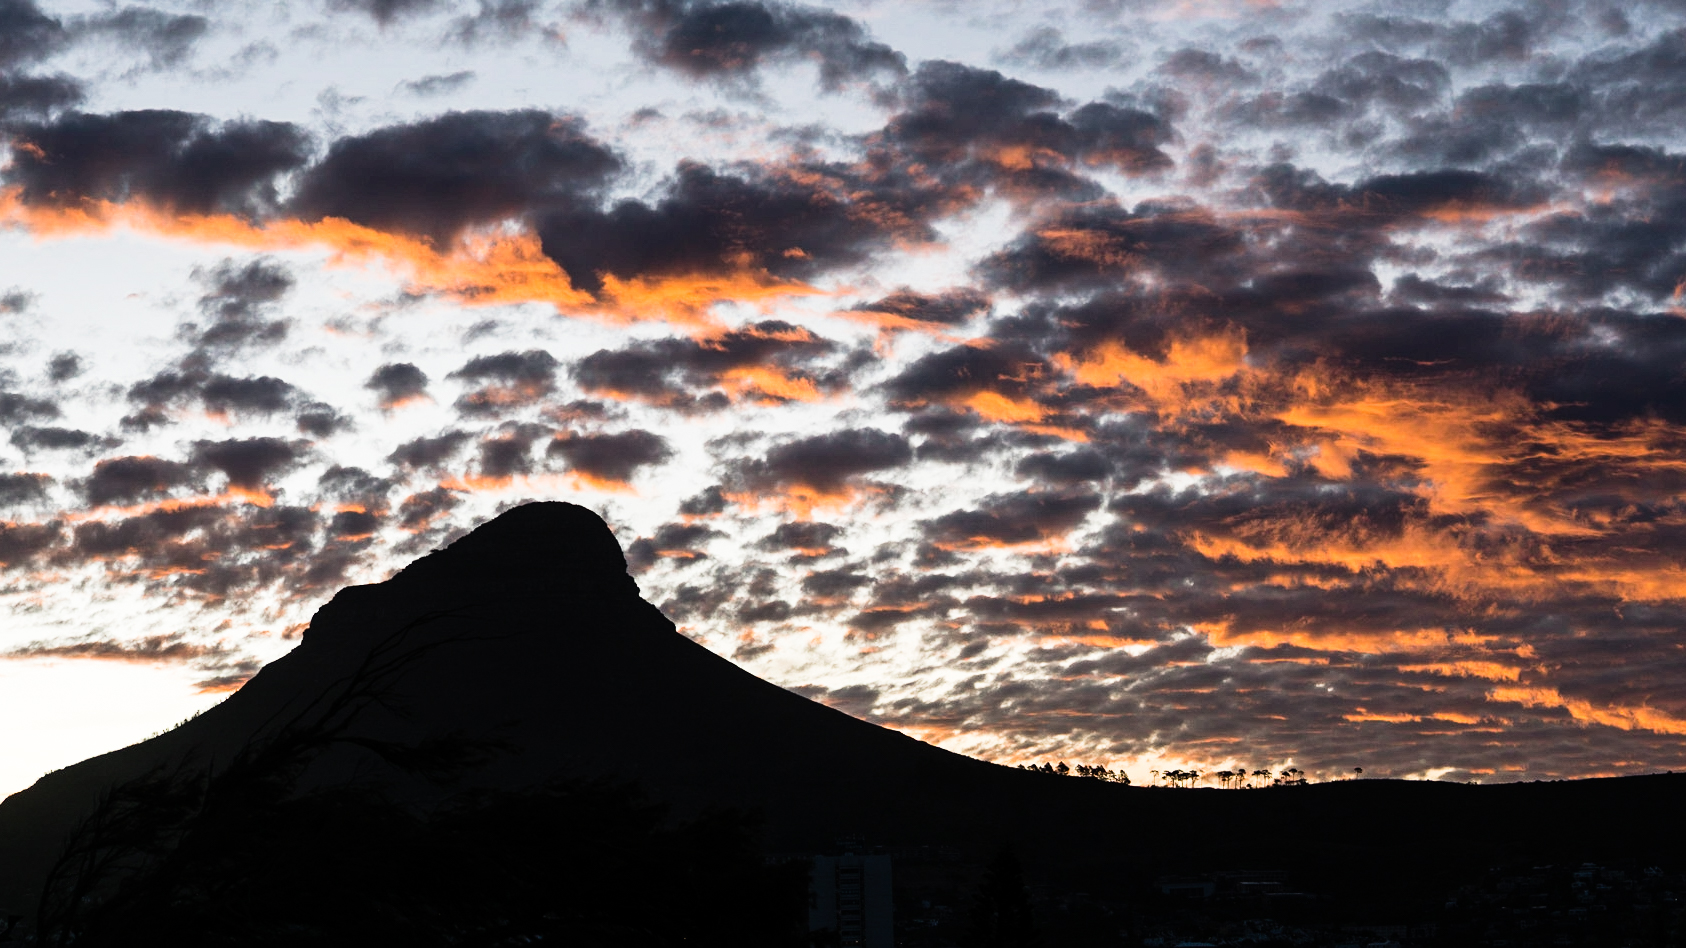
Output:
x,y
529,635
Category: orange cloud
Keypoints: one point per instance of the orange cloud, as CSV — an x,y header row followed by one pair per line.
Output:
x,y
1622,717
496,266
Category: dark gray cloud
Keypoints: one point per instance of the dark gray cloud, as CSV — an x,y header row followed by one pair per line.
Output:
x,y
248,463
944,309
15,300
827,464
438,176
711,222
429,452
509,453
261,395
610,457
807,538
21,543
177,160
167,39
17,408
29,438
508,380
499,21
386,12
1011,519
1047,48
64,367
419,510
321,420
442,84
978,129
249,396
672,541
733,39
1102,243
128,480
396,383
23,488
686,373
27,34
236,302
36,97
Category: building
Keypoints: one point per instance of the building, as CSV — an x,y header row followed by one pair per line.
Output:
x,y
850,895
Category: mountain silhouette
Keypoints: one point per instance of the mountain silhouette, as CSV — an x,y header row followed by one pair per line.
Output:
x,y
528,639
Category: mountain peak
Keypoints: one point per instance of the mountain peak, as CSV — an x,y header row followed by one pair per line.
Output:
x,y
547,541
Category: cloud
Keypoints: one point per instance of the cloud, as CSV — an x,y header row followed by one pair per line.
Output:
x,y
23,488
248,463
15,301
235,302
17,408
823,468
158,648
1013,520
397,383
429,452
166,38
1102,243
65,366
27,34
733,39
769,361
322,420
209,552
127,480
443,84
176,160
439,176
30,438
512,379
713,223
261,395
610,457
1316,396
509,453
809,539
501,20
906,307
385,12
37,96
672,541
418,511
22,543
1046,48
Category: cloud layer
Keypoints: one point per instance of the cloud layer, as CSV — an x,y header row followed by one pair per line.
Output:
x,y
1306,391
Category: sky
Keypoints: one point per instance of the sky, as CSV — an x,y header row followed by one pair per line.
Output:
x,y
1148,383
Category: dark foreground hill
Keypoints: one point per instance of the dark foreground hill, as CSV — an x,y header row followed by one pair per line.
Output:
x,y
526,644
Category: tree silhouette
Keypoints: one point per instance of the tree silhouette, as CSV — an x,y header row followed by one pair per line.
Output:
x,y
1001,913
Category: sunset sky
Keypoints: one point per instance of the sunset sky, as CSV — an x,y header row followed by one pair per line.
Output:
x,y
1154,384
